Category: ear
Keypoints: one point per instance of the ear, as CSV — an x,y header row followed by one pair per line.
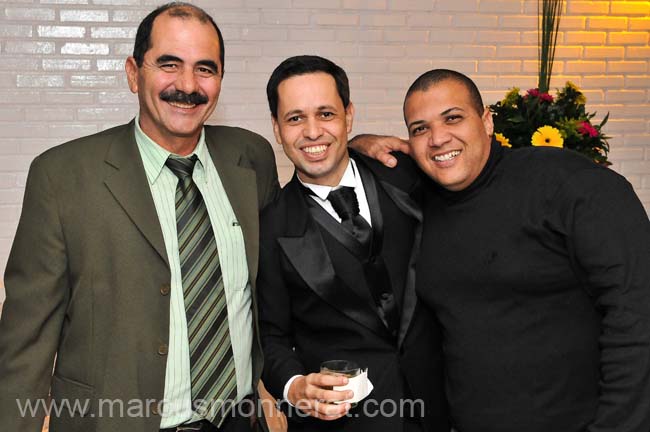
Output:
x,y
349,116
488,124
276,130
131,68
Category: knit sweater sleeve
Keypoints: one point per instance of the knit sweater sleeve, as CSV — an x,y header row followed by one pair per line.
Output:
x,y
608,240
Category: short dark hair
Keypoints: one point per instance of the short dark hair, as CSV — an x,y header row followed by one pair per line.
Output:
x,y
302,65
175,9
436,76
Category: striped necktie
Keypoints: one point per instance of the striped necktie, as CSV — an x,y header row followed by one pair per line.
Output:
x,y
212,366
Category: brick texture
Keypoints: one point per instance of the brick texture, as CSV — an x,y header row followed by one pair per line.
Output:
x,y
62,66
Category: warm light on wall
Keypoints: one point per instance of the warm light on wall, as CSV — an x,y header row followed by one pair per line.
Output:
x,y
631,7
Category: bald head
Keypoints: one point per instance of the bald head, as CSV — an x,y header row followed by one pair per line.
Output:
x,y
437,76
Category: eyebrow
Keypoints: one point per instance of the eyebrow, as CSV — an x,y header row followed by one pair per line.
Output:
x,y
208,63
165,58
292,113
299,111
168,58
415,123
445,112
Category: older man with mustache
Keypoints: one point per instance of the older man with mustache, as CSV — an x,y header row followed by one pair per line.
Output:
x,y
135,259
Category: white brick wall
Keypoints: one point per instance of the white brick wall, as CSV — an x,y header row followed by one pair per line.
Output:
x,y
61,66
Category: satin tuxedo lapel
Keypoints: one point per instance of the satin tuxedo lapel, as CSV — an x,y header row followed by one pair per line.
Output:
x,y
346,241
406,204
345,238
304,248
128,183
240,184
376,216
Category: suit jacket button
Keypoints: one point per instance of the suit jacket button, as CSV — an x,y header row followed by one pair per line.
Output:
x,y
162,349
164,289
154,409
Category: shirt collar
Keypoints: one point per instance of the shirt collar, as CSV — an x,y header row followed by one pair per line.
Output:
x,y
349,179
154,156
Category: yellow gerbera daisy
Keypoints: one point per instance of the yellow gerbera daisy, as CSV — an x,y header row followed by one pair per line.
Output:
x,y
505,142
547,136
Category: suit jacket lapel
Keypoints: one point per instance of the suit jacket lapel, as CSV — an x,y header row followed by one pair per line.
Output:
x,y
372,197
240,185
128,183
406,204
345,238
304,248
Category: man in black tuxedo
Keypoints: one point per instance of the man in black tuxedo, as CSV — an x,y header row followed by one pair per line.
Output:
x,y
336,276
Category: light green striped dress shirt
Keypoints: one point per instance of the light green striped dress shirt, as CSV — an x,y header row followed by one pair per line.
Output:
x,y
232,256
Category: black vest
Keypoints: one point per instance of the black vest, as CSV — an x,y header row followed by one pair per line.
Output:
x,y
396,236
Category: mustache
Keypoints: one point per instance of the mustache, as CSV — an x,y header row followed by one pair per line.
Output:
x,y
182,97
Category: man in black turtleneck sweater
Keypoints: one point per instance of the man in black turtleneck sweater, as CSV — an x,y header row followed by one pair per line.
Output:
x,y
537,264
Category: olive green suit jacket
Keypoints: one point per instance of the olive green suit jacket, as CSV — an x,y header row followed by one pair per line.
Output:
x,y
87,281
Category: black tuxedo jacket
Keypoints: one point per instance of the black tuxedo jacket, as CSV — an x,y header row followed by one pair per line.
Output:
x,y
315,306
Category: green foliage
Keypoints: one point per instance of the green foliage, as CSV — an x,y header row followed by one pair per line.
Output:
x,y
548,25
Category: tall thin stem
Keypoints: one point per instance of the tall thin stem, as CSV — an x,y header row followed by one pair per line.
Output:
x,y
547,29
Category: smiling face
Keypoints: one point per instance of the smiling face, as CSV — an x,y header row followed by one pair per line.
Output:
x,y
449,140
312,125
179,81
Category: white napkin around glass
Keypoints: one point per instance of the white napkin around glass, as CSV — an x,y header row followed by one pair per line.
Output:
x,y
360,386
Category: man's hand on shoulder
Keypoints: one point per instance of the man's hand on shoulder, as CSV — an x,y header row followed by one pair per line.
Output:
x,y
379,147
313,395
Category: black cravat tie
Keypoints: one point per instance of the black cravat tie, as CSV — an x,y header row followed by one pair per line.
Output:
x,y
345,203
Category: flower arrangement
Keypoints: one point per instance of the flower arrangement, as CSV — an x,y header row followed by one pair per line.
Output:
x,y
537,118
540,119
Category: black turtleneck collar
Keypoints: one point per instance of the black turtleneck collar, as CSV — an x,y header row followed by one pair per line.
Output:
x,y
496,152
